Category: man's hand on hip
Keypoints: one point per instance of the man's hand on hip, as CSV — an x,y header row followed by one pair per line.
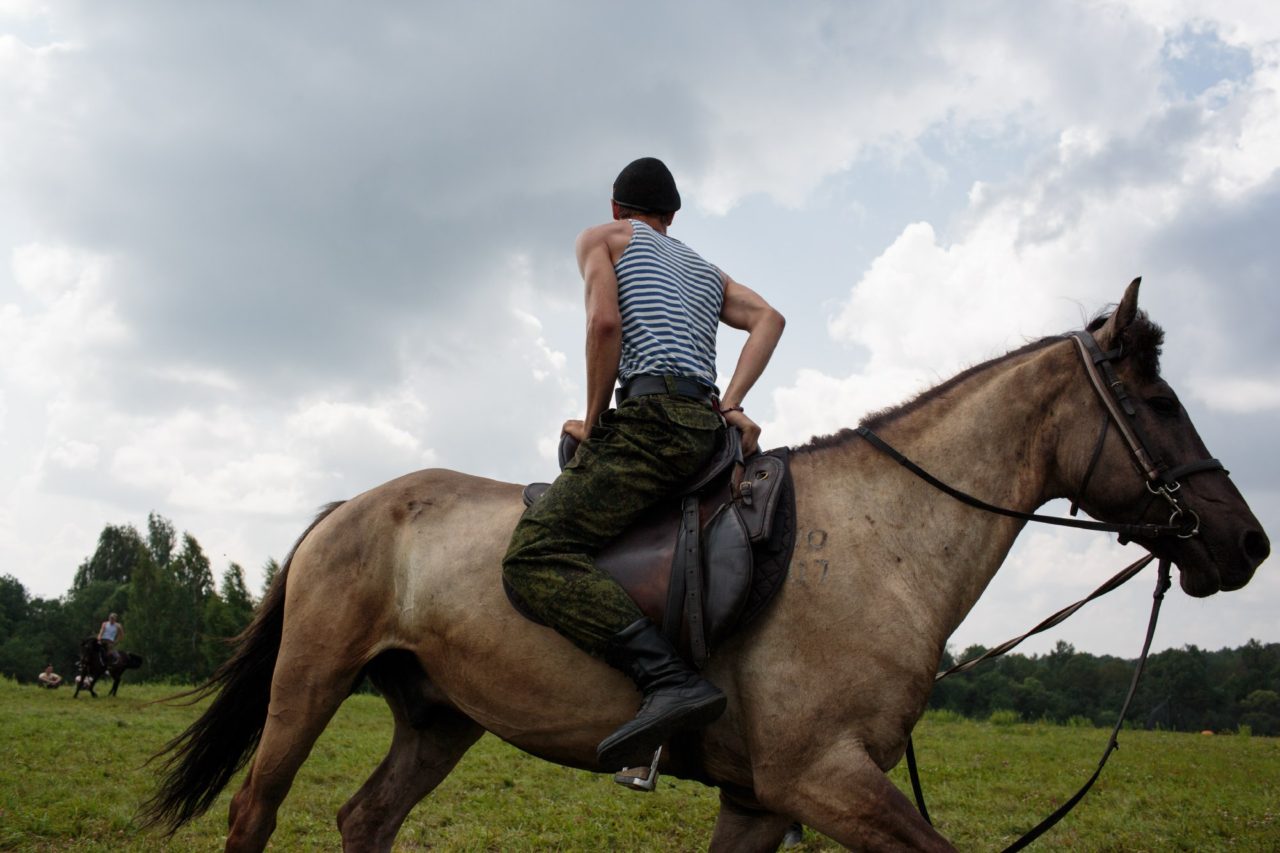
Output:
x,y
750,431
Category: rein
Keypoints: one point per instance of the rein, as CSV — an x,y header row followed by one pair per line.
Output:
x,y
1126,532
1163,582
1161,481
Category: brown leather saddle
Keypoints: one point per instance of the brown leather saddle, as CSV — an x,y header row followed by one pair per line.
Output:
x,y
708,561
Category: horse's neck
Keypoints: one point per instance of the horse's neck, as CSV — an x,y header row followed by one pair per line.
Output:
x,y
912,548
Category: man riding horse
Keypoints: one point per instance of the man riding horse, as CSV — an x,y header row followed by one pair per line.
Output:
x,y
653,307
109,633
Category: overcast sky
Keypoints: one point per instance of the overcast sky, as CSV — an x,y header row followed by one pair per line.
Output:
x,y
257,257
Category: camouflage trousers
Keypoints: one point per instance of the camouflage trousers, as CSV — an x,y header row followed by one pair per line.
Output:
x,y
637,455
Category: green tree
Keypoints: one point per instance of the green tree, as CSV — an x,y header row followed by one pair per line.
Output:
x,y
1260,711
120,550
1031,699
269,572
13,605
161,539
192,586
236,594
225,616
153,621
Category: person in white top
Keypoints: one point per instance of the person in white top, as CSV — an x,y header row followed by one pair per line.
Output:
x,y
49,678
108,635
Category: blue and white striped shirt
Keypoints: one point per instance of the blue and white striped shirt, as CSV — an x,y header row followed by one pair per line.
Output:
x,y
670,300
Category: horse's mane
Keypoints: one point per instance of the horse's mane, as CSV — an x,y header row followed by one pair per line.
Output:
x,y
1141,341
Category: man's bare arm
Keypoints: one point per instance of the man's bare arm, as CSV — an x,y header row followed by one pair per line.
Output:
x,y
746,310
604,326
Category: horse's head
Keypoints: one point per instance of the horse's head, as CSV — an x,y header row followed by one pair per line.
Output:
x,y
1161,472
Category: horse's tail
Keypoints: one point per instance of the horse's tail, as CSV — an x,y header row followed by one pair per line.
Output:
x,y
202,760
132,661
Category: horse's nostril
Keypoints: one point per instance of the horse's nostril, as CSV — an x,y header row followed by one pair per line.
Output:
x,y
1256,546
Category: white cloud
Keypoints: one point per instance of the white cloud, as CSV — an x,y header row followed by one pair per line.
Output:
x,y
73,454
1031,257
69,321
818,404
1238,394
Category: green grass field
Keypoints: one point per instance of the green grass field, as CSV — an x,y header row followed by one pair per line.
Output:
x,y
72,776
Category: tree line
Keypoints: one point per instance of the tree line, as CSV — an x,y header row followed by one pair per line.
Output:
x,y
1187,689
162,587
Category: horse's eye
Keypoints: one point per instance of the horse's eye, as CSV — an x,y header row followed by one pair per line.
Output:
x,y
1163,405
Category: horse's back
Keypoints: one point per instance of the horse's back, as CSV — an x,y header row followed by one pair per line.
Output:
x,y
396,539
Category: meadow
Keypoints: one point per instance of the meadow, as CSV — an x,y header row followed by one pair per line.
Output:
x,y
72,773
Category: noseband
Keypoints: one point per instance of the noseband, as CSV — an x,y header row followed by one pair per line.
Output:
x,y
1162,481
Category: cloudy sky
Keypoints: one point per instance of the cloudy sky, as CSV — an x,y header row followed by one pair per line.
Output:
x,y
256,257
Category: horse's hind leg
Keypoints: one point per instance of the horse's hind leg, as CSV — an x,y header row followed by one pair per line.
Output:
x,y
429,739
743,828
303,700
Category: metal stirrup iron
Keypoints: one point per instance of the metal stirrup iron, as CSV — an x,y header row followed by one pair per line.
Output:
x,y
640,778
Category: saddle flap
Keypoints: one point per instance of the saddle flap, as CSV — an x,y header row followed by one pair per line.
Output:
x,y
728,562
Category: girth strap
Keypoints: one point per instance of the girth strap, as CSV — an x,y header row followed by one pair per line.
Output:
x,y
691,554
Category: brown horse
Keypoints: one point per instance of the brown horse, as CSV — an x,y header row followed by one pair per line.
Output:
x,y
402,583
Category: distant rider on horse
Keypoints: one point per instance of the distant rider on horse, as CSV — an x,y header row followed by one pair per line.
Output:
x,y
653,309
108,635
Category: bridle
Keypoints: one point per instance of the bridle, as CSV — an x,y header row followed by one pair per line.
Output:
x,y
1161,480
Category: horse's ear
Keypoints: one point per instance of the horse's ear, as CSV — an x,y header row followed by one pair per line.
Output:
x,y
1109,335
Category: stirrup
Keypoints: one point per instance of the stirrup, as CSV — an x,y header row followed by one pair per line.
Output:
x,y
640,778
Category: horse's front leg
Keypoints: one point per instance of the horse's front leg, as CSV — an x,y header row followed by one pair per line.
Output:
x,y
843,794
746,828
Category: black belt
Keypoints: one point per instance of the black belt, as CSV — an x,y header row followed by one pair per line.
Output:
x,y
644,386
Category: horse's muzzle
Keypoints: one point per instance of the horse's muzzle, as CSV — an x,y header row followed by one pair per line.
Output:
x,y
1255,547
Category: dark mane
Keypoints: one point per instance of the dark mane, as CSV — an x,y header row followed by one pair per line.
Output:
x,y
1141,342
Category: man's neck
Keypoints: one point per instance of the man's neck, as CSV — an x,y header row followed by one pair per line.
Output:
x,y
652,221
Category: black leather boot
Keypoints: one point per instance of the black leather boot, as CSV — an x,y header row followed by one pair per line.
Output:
x,y
675,696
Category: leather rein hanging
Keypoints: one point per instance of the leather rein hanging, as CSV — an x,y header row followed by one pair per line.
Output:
x,y
1161,481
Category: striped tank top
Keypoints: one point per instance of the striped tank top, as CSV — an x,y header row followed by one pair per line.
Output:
x,y
670,300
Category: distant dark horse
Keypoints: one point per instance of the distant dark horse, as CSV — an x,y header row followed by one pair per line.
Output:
x,y
93,665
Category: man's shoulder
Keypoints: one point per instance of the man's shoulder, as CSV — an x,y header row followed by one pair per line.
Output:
x,y
606,231
611,236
